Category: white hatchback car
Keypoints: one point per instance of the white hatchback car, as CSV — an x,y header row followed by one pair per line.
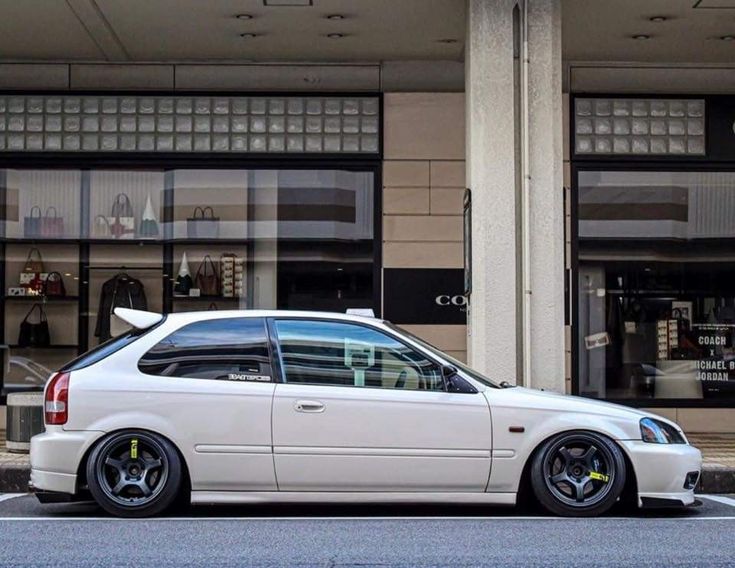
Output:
x,y
269,406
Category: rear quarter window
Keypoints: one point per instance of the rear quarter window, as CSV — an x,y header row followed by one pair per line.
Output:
x,y
233,349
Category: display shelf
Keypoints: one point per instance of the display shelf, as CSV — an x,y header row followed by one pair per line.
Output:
x,y
42,299
207,298
47,348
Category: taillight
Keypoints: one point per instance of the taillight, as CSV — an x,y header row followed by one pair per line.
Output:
x,y
56,401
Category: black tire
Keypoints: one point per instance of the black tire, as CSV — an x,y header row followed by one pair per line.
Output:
x,y
578,474
134,474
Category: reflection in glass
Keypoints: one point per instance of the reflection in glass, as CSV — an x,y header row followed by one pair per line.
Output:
x,y
656,311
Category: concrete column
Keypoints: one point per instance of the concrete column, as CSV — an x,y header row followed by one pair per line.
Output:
x,y
498,342
490,134
546,168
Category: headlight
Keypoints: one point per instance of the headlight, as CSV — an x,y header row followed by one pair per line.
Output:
x,y
657,432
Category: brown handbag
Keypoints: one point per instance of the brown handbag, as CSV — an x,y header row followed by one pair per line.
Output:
x,y
34,261
207,280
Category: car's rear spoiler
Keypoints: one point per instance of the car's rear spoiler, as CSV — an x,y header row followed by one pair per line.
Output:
x,y
138,318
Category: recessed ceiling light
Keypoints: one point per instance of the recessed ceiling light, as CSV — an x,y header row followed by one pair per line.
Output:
x,y
335,17
658,19
641,36
244,16
447,40
248,35
335,36
728,38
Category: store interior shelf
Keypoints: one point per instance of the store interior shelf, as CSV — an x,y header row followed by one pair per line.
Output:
x,y
206,299
42,299
48,347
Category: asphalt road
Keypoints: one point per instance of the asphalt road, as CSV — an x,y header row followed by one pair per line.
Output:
x,y
80,535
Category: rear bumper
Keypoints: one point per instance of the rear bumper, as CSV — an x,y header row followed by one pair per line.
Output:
x,y
661,472
55,458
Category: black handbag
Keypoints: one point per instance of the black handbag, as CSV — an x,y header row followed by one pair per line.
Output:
x,y
34,334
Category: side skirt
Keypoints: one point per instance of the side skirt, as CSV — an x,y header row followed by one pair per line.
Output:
x,y
232,497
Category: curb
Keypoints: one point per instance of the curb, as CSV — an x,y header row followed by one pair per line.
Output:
x,y
714,479
14,479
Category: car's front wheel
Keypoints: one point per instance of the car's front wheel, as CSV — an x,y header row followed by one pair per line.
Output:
x,y
134,474
578,474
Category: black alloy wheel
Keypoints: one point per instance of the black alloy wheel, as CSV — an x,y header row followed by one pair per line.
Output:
x,y
578,474
134,474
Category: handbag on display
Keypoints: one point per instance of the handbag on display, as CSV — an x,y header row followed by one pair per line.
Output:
x,y
148,223
122,218
52,225
34,334
207,280
32,222
34,262
101,227
184,282
202,224
54,285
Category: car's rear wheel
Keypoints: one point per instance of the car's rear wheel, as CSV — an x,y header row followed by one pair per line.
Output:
x,y
578,474
134,474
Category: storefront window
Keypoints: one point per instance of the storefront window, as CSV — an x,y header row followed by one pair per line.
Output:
x,y
656,285
78,243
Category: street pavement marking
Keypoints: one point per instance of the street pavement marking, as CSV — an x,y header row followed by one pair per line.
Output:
x,y
8,496
720,499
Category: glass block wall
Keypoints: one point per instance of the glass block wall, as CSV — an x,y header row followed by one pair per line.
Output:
x,y
639,126
69,123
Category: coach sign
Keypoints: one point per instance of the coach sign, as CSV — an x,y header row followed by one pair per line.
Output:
x,y
424,296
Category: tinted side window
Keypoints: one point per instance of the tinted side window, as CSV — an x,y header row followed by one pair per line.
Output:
x,y
334,353
221,349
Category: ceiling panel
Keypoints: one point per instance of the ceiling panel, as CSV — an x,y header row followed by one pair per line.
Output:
x,y
374,30
43,29
602,30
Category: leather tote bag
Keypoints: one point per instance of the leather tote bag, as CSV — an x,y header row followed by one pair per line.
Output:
x,y
34,262
52,225
32,223
203,224
207,279
122,218
34,334
54,285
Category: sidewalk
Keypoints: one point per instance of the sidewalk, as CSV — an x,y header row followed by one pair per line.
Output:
x,y
718,473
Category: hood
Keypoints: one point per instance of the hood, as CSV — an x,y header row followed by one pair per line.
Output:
x,y
567,403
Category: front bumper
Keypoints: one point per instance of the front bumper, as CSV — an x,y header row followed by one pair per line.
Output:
x,y
55,458
661,471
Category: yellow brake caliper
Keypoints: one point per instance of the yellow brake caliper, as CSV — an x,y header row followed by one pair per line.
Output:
x,y
599,476
134,449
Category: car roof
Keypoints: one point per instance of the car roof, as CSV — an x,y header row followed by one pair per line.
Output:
x,y
181,317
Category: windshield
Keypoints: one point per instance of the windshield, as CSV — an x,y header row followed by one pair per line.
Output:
x,y
461,366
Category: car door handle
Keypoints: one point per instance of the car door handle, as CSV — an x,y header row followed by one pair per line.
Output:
x,y
308,406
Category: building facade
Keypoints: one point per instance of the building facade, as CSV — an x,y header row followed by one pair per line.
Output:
x,y
529,186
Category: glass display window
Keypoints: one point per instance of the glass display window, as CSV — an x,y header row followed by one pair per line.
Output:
x,y
655,313
42,204
174,240
126,205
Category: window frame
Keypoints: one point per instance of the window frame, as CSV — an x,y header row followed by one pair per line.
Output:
x,y
278,361
274,376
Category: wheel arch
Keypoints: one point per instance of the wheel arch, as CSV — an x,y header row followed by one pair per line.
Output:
x,y
82,468
630,490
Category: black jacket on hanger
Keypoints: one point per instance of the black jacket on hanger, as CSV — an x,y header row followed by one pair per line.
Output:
x,y
121,291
